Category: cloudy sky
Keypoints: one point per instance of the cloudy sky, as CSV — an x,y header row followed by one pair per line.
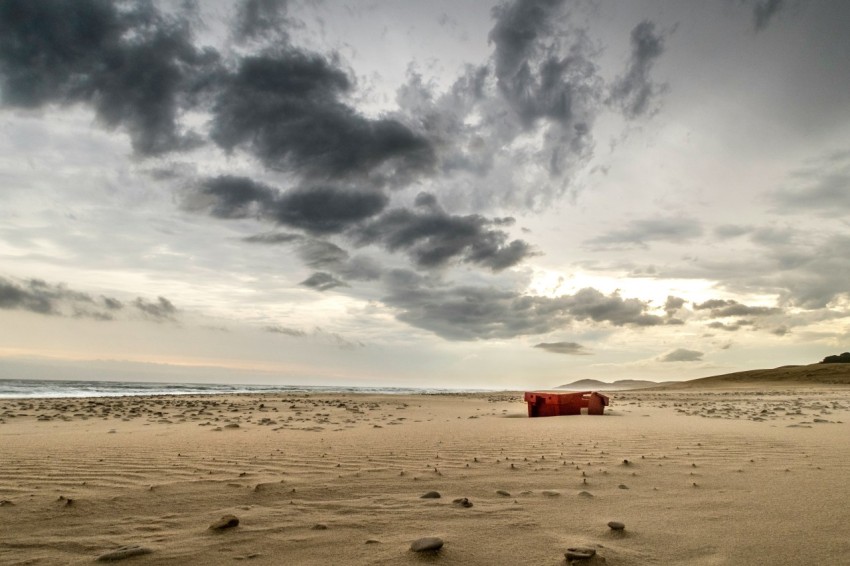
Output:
x,y
445,193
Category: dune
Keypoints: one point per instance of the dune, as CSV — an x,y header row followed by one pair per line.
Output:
x,y
786,376
665,477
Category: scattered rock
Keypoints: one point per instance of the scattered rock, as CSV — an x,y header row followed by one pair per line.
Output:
x,y
373,541
5,502
231,425
580,553
585,494
462,502
431,495
550,493
503,493
427,544
616,525
320,527
226,522
123,552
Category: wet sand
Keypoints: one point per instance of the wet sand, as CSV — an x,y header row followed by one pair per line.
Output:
x,y
721,476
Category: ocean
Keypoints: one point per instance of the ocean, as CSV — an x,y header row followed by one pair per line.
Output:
x,y
43,388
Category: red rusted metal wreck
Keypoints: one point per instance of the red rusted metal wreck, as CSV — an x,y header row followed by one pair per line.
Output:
x,y
555,404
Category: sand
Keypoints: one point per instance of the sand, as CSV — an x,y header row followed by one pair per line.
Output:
x,y
737,476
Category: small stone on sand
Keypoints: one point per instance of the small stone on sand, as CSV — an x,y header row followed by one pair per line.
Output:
x,y
226,522
427,544
462,502
616,525
580,553
430,495
503,493
122,553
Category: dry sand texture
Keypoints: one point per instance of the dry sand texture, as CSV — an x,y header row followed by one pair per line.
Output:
x,y
697,477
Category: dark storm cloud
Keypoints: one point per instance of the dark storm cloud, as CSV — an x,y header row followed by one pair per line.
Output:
x,y
633,91
639,232
481,313
327,209
822,187
318,209
161,310
285,108
764,11
136,67
139,69
682,355
260,18
569,348
722,308
434,238
322,281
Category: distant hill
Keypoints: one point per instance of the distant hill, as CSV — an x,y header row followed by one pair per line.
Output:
x,y
596,385
811,375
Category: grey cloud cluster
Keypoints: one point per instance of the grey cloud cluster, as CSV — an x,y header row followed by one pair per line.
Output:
x,y
322,281
473,313
682,355
318,333
430,235
41,297
822,187
336,264
639,232
764,11
259,18
277,329
568,348
634,91
721,308
542,81
161,310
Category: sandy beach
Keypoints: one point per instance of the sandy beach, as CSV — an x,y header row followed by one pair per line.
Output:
x,y
697,476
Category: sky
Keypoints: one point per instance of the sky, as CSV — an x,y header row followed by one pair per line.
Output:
x,y
469,194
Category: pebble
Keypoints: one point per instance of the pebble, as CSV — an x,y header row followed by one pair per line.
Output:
x,y
320,527
462,502
503,493
431,495
580,553
427,544
585,494
122,553
226,522
550,493
616,525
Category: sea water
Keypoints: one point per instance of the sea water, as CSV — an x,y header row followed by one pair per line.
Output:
x,y
44,388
